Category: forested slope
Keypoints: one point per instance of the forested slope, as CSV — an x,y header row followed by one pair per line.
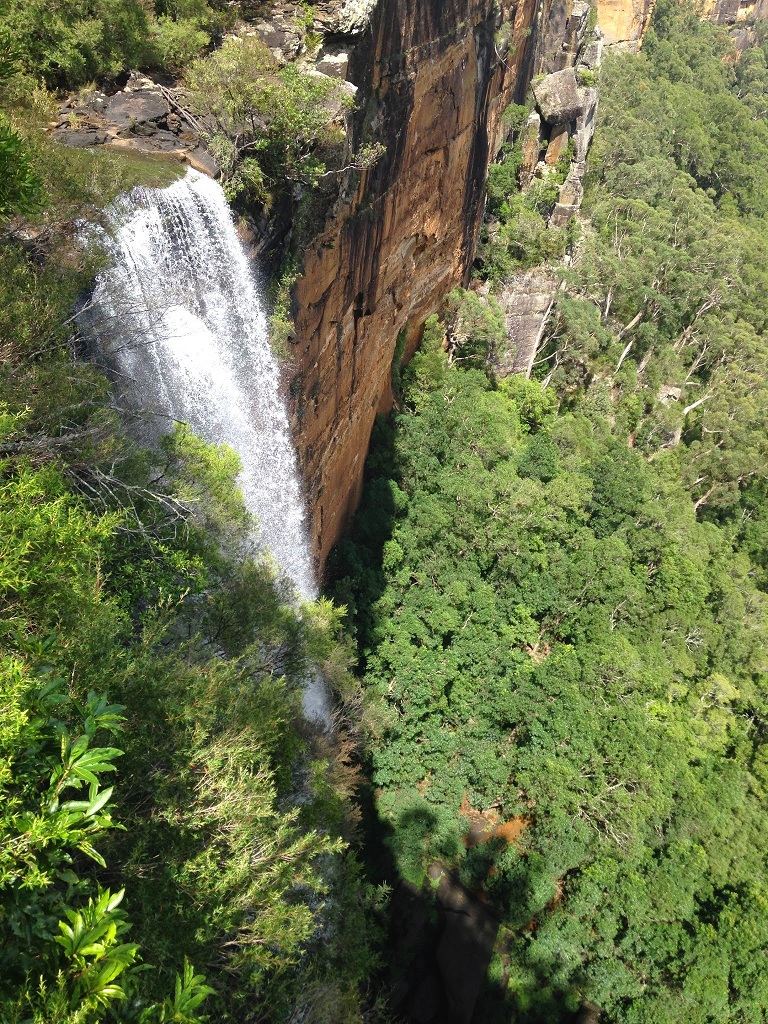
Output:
x,y
170,826
558,584
557,588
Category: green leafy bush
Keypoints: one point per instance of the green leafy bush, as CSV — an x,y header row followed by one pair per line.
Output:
x,y
275,116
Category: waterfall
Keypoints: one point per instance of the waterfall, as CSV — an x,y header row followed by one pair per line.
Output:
x,y
178,316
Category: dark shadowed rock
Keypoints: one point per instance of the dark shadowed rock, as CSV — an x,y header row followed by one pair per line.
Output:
x,y
80,139
141,111
465,948
443,938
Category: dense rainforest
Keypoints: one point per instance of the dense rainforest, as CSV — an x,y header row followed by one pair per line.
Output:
x,y
558,584
548,624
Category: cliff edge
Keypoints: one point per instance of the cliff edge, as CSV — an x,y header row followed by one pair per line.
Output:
x,y
435,77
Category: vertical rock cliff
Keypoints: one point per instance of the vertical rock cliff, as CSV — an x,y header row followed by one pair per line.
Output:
x,y
624,22
434,77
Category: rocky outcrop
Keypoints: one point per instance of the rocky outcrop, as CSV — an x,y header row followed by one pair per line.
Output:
x,y
735,12
345,17
557,97
434,83
143,116
433,78
740,15
566,113
561,34
572,190
527,301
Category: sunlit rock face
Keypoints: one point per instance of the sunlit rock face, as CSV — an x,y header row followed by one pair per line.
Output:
x,y
434,77
623,22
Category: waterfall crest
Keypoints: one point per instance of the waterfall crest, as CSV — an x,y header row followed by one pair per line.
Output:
x,y
179,317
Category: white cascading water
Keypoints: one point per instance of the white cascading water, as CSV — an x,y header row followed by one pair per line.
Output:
x,y
179,317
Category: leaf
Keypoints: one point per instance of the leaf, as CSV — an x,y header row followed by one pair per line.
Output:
x,y
99,802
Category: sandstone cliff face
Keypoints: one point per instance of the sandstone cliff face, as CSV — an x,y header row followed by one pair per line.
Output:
x,y
735,12
624,22
435,76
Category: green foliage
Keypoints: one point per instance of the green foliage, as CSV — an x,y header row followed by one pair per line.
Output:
x,y
21,190
96,958
547,630
558,586
662,330
275,116
502,177
475,327
76,41
427,367
516,236
281,328
132,572
515,116
586,77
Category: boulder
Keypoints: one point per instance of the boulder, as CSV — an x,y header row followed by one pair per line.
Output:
x,y
81,139
339,99
344,17
202,161
592,55
281,33
558,97
333,61
141,111
743,38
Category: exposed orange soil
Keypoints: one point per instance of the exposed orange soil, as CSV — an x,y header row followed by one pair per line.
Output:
x,y
486,825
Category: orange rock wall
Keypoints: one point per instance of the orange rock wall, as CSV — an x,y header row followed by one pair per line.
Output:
x,y
433,83
624,22
735,12
435,87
